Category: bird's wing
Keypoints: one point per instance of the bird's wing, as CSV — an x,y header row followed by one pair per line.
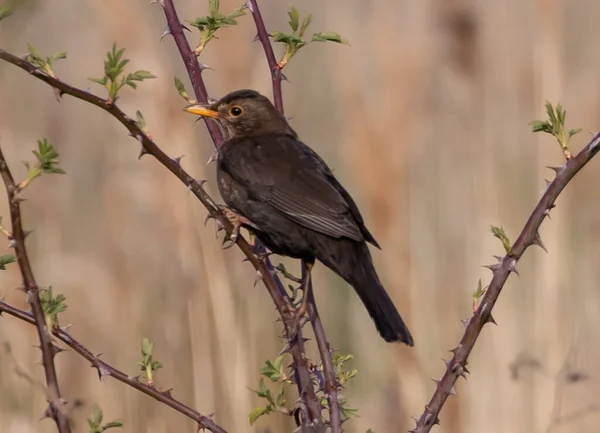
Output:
x,y
285,173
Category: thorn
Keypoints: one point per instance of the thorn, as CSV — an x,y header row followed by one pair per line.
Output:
x,y
436,381
212,158
102,373
184,27
446,362
208,217
27,233
415,419
556,170
21,289
490,319
56,349
47,414
258,278
158,2
204,66
166,31
201,182
12,243
512,267
18,199
499,258
256,38
547,213
466,321
143,152
543,191
167,392
455,349
453,392
595,142
494,268
285,349
537,240
177,160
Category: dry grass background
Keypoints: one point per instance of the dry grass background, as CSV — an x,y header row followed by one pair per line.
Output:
x,y
424,118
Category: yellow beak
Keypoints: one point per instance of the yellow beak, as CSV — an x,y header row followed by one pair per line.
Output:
x,y
201,110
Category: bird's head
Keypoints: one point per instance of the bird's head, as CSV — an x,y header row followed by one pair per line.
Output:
x,y
242,113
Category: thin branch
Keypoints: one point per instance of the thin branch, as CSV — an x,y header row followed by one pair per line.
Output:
x,y
192,66
263,37
105,369
56,404
331,388
311,406
272,283
456,367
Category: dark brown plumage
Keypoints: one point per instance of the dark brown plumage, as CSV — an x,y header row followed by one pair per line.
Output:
x,y
290,199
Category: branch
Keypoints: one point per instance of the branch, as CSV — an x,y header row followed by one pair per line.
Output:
x,y
311,407
320,336
456,367
105,369
56,404
263,37
272,283
191,65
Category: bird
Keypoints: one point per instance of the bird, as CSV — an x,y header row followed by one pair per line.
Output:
x,y
281,190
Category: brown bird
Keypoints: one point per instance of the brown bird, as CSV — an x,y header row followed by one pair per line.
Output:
x,y
279,188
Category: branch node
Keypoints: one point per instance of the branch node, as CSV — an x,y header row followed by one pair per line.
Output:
x,y
512,267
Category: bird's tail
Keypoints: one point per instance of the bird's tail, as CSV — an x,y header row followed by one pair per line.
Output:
x,y
355,265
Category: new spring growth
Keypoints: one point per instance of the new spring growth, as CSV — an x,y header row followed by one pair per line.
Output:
x,y
295,40
47,163
52,306
148,365
555,126
95,421
44,63
274,371
499,233
209,24
114,78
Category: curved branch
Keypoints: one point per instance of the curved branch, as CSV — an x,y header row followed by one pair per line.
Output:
x,y
331,387
456,367
56,404
105,369
272,283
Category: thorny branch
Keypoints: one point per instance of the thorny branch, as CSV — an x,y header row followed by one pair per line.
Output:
x,y
105,369
310,410
331,386
311,406
56,404
457,366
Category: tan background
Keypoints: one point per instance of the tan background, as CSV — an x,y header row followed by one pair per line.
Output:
x,y
424,119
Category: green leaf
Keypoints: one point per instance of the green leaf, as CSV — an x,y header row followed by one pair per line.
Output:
x,y
329,37
274,370
572,132
305,23
294,18
479,292
5,260
112,424
540,126
499,233
256,413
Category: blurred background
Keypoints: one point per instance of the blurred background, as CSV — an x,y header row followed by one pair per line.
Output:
x,y
424,119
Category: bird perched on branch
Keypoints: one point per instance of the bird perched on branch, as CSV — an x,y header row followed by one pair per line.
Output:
x,y
280,189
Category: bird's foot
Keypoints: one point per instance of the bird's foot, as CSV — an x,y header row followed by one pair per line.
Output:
x,y
237,221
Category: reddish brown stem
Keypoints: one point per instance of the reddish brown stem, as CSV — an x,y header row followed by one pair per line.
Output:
x,y
56,404
263,37
295,339
105,369
456,367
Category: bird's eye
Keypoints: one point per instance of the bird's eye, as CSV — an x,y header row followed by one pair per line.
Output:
x,y
235,111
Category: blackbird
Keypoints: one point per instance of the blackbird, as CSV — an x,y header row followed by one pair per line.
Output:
x,y
279,188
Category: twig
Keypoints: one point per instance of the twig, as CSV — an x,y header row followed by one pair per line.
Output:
x,y
282,303
311,408
105,369
192,66
320,336
56,404
263,37
529,236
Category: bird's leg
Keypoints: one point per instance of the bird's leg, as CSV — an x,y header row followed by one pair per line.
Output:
x,y
237,220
